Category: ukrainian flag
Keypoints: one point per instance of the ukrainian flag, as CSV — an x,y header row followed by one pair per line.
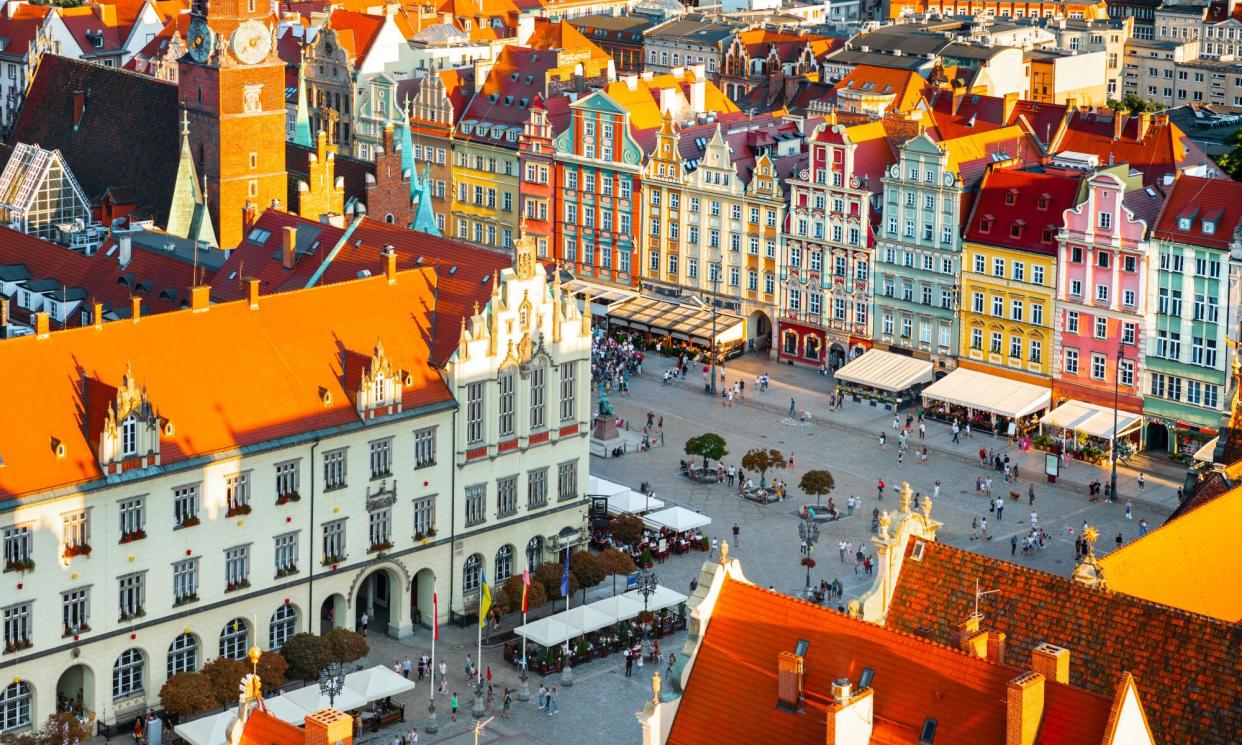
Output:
x,y
485,600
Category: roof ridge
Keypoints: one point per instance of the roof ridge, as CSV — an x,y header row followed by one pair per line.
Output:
x,y
91,65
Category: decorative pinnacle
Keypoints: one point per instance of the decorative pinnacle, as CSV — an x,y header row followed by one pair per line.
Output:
x,y
724,553
254,654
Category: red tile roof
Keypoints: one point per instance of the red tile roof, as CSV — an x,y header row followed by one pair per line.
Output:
x,y
1162,151
973,112
464,270
520,73
355,32
906,86
21,28
268,367
1218,201
264,729
1028,202
732,685
1188,666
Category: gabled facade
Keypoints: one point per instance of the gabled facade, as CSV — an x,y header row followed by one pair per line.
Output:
x,y
598,172
1101,337
762,54
537,190
433,112
829,249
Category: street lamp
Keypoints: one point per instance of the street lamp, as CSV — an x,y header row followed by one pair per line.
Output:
x,y
1112,489
647,585
715,289
808,531
332,681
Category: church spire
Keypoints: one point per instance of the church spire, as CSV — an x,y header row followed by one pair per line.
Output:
x,y
302,126
188,216
424,215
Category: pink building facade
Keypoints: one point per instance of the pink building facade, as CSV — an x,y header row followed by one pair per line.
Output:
x,y
1104,268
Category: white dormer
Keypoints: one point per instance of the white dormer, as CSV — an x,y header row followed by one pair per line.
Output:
x,y
129,435
380,387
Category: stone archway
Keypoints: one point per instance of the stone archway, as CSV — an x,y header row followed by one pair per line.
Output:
x,y
422,600
332,613
759,331
381,594
75,690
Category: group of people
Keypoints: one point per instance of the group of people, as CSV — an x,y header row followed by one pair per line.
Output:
x,y
613,360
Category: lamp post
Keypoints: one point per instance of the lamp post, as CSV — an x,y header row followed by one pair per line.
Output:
x,y
647,585
332,681
808,531
715,289
1112,487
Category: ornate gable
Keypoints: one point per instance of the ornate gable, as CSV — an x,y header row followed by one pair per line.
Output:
x,y
379,387
129,430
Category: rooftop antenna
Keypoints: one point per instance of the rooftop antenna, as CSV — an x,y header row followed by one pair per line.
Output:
x,y
979,593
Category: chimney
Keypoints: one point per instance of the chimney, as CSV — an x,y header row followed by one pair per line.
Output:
x,y
1051,661
4,317
670,103
252,293
1119,123
1143,126
288,246
789,681
97,315
959,94
698,95
849,714
79,107
135,309
329,727
1010,100
967,629
125,247
390,264
996,647
43,324
200,297
631,81
1024,708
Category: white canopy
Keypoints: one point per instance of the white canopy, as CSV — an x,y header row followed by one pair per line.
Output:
x,y
586,618
310,699
1089,419
676,519
886,371
982,392
377,682
548,632
1207,453
631,501
604,487
212,730
663,598
619,607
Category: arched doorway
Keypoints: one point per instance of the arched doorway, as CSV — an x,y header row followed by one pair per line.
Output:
x,y
1157,437
836,357
759,329
75,690
421,597
332,613
380,595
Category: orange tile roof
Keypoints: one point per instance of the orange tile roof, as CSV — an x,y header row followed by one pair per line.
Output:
x,y
643,103
732,685
905,85
266,369
563,35
1154,567
264,729
355,32
970,156
1162,151
1215,200
1188,665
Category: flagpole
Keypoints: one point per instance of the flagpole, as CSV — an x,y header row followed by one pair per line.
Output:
x,y
432,726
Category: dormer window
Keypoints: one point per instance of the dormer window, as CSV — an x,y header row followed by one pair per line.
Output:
x,y
129,436
1041,204
1209,227
1011,197
1183,223
1048,233
1015,230
985,225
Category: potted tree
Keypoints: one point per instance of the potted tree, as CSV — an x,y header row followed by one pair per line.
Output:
x,y
761,460
818,483
708,446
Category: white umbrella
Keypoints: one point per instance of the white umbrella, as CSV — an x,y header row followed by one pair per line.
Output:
x,y
377,682
602,487
619,607
310,699
285,710
212,730
677,519
632,501
662,598
548,632
587,619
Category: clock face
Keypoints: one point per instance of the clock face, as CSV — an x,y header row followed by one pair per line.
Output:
x,y
251,42
201,40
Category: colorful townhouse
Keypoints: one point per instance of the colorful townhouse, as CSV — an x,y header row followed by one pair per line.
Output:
x,y
829,245
1009,272
712,208
1187,355
434,108
1104,268
537,168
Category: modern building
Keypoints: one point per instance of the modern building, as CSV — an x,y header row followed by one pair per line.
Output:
x,y
1009,272
1188,352
1152,67
39,195
1061,75
828,260
681,42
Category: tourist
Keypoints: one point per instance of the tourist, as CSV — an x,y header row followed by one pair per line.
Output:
x,y
1142,527
362,623
554,702
737,532
1142,482
453,705
1129,510
543,693
1000,509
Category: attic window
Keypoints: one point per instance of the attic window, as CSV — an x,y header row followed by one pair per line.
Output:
x,y
530,79
928,735
868,674
1209,227
1047,236
1183,223
259,236
508,100
452,270
1042,203
985,225
513,77
1011,197
1015,230
917,555
494,97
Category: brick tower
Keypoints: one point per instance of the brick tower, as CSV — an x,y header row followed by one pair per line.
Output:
x,y
232,85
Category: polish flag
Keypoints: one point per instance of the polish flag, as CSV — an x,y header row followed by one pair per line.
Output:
x,y
435,615
525,590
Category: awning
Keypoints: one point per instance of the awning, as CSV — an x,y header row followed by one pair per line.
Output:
x,y
663,598
683,320
378,682
598,293
597,487
982,392
285,710
212,730
676,519
1090,419
586,618
619,607
548,632
310,699
886,371
1207,453
632,501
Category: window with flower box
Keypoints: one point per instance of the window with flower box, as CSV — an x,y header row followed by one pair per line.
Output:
x,y
131,596
75,609
237,494
425,448
424,518
286,554
334,542
18,546
132,519
236,568
287,482
185,506
17,627
381,529
185,581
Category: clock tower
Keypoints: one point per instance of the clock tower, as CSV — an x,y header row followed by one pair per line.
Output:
x,y
232,85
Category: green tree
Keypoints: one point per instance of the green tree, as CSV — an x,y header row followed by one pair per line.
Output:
x,y
1133,103
708,446
1231,162
616,562
761,460
626,529
586,567
346,646
306,654
817,482
187,694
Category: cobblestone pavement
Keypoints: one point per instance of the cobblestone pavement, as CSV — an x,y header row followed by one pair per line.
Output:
x,y
601,704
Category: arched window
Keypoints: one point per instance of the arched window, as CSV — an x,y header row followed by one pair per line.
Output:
x,y
183,655
235,639
470,574
129,436
504,563
389,218
127,674
534,552
284,625
15,706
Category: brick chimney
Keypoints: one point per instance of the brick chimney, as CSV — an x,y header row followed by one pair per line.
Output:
x,y
288,246
97,315
849,714
390,264
252,293
1051,661
1143,126
135,309
329,727
200,297
1119,122
789,671
996,647
43,324
1024,708
4,317
967,629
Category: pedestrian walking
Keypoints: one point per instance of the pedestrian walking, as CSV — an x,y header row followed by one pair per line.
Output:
x,y
543,694
841,550
956,434
791,461
507,711
363,621
1142,481
983,526
629,663
791,407
405,667
968,430
895,424
715,546
737,533
1034,518
1119,540
936,490
974,528
879,486
922,431
1030,493
453,705
672,660
1000,509
554,703
469,666
1142,527
1129,510
1013,544
883,439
